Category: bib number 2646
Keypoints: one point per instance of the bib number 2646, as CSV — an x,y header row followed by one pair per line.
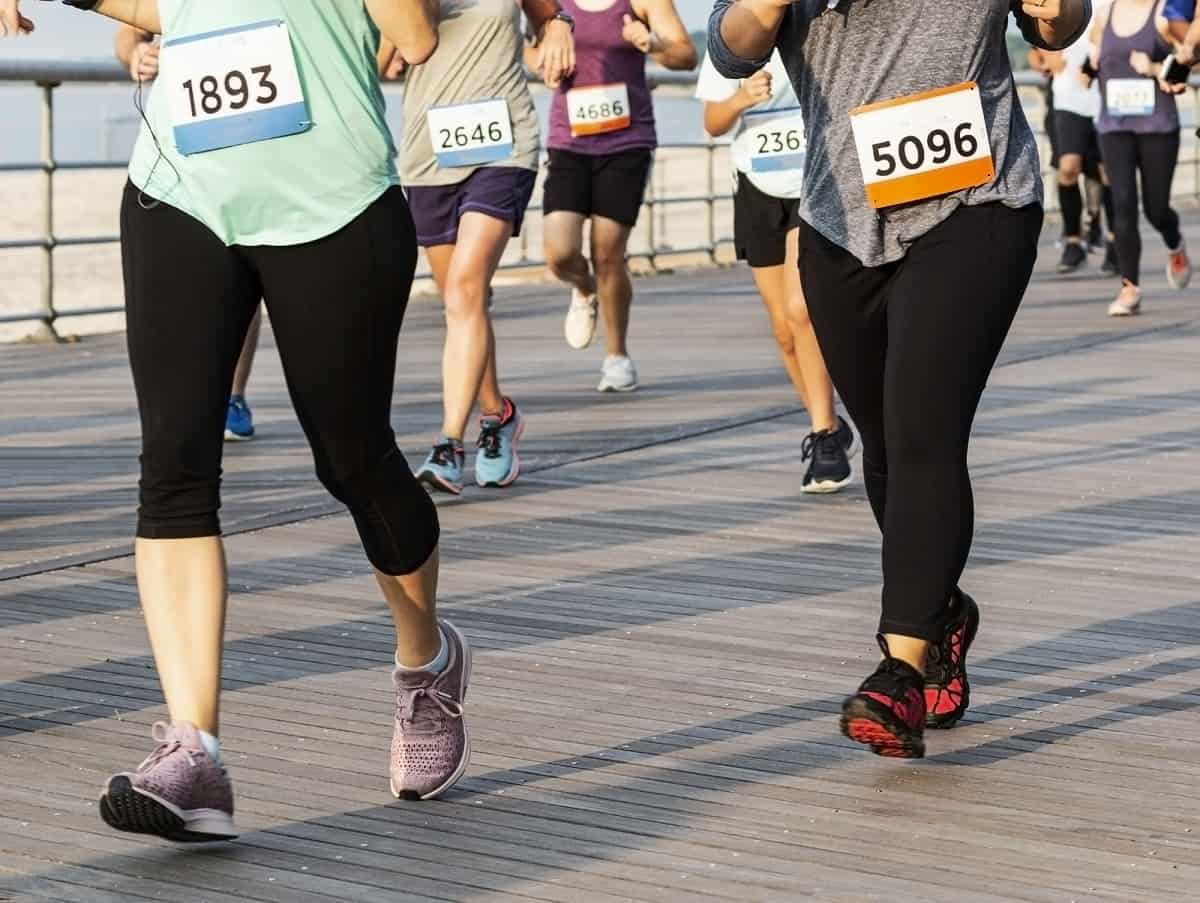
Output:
x,y
923,146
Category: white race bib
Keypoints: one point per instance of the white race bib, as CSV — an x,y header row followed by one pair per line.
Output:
x,y
774,140
471,134
598,109
233,86
923,145
1130,96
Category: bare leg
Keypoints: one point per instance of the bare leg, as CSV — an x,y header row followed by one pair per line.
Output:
x,y
241,376
908,649
413,601
463,272
182,584
563,247
772,288
815,374
614,288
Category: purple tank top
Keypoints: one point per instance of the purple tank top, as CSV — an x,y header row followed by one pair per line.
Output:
x,y
604,58
1114,64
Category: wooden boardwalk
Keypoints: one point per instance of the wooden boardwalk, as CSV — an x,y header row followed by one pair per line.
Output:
x,y
664,628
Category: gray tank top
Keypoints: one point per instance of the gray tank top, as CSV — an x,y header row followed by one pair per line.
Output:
x,y
1114,66
478,58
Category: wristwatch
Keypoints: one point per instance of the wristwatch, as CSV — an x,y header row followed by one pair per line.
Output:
x,y
563,17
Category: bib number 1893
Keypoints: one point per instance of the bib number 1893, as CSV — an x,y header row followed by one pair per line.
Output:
x,y
211,95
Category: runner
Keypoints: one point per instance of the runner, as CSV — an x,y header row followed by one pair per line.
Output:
x,y
469,163
138,51
1139,135
294,198
920,226
602,141
768,158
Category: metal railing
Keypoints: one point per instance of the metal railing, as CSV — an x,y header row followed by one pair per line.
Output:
x,y
48,75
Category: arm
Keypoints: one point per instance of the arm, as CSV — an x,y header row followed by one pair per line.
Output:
x,y
1052,24
410,26
141,14
667,40
720,116
742,33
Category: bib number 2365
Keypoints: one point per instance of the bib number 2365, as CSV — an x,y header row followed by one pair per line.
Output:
x,y
233,86
923,146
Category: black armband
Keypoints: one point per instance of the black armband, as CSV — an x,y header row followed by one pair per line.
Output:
x,y
1088,69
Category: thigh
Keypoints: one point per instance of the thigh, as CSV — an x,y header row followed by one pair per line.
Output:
x,y
562,233
619,185
336,307
609,239
1120,164
482,239
189,301
568,183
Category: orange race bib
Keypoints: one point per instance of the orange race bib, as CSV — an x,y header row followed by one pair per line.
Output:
x,y
922,146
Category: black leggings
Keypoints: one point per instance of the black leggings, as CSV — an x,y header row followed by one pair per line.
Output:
x,y
909,346
336,306
1154,156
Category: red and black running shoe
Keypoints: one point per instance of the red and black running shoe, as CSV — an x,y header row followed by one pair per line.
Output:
x,y
947,691
888,711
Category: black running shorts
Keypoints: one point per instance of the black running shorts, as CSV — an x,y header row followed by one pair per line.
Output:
x,y
761,224
609,185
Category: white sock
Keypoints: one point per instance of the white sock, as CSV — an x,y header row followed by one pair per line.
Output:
x,y
212,746
439,663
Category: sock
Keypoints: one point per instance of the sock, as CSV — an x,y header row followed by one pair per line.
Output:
x,y
439,663
212,746
1070,200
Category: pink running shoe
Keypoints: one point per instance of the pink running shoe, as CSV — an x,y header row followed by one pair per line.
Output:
x,y
431,745
178,792
888,711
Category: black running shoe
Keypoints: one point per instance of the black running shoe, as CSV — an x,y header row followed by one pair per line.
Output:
x,y
1095,234
847,437
888,711
1110,267
947,691
1073,257
829,468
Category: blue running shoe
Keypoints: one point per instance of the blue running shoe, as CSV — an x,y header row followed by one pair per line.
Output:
x,y
497,463
239,422
443,469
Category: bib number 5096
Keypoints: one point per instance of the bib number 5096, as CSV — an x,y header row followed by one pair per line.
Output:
x,y
912,152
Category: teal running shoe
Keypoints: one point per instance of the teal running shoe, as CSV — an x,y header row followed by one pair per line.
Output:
x,y
443,469
497,462
239,422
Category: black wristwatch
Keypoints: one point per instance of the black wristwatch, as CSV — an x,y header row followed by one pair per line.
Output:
x,y
561,16
83,4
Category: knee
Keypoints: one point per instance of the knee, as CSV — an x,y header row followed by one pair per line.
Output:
x,y
464,299
608,259
178,496
797,313
784,338
1069,170
396,519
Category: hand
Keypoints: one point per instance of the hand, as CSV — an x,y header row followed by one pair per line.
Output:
x,y
143,64
636,32
394,70
1046,10
11,21
556,53
1171,87
1141,64
756,89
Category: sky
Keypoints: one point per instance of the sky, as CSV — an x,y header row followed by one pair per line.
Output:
x,y
65,32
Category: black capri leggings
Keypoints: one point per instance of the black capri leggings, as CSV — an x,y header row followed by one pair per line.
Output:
x,y
336,306
1126,154
909,346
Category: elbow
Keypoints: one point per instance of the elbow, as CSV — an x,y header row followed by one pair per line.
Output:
x,y
689,59
417,50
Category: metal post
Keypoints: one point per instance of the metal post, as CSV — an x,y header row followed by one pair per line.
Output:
x,y
45,331
710,189
1196,147
652,233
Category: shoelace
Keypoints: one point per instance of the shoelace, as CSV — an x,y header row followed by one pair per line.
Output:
x,y
406,705
818,443
489,438
445,453
165,747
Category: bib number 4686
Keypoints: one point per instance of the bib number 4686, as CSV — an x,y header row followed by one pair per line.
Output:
x,y
237,93
912,152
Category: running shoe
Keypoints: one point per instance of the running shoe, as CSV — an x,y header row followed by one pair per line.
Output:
x,y
1095,234
1073,257
847,437
888,711
1128,302
179,792
829,467
580,325
1179,268
443,468
618,374
947,690
1110,267
239,422
497,462
431,744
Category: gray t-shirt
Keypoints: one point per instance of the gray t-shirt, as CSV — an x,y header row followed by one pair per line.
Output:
x,y
844,54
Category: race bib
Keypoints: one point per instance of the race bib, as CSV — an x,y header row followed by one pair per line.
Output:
x,y
471,134
774,140
1130,96
923,145
598,109
233,86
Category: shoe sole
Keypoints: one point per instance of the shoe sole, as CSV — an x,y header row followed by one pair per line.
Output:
x,y
231,436
945,722
867,722
412,795
437,484
125,808
607,388
827,487
516,471
1132,312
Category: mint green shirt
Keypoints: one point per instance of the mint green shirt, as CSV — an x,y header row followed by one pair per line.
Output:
x,y
288,190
